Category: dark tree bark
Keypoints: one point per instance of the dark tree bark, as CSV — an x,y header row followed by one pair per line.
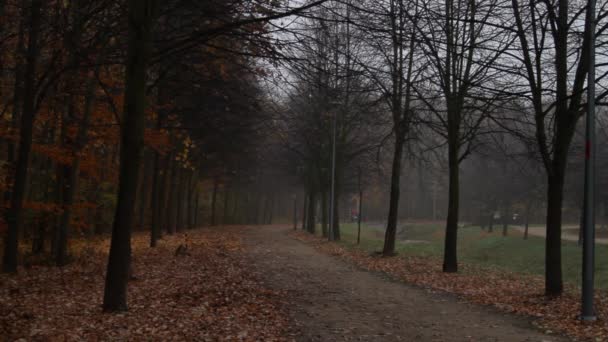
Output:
x,y
360,211
157,190
73,174
43,220
311,221
527,222
324,214
505,220
554,140
141,19
305,211
14,215
216,182
336,227
295,213
553,241
402,74
172,166
225,208
179,219
191,205
393,209
197,209
450,258
163,198
147,187
17,103
271,209
235,208
158,182
156,200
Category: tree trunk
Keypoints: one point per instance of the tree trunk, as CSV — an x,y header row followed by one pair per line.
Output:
x,y
214,200
156,199
190,198
295,213
225,207
255,219
164,196
271,209
527,222
197,209
141,18
311,221
146,194
180,200
393,211
14,215
336,227
235,208
265,211
170,216
17,105
305,211
44,218
553,242
360,211
158,182
74,171
505,220
450,257
324,213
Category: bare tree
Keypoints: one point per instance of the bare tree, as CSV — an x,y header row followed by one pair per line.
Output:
x,y
462,44
553,50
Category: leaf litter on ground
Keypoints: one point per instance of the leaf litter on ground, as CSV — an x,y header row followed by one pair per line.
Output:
x,y
207,294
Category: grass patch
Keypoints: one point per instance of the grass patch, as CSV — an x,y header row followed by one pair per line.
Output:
x,y
491,250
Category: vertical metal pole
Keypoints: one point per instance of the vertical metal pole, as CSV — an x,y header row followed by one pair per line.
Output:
x,y
333,179
360,209
434,200
588,313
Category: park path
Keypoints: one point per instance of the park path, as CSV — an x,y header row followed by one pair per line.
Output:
x,y
542,232
331,300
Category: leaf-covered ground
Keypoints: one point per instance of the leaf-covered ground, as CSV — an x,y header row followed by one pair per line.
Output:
x,y
207,295
510,292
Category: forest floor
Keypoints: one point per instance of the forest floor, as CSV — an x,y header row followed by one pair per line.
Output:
x,y
334,300
271,284
205,294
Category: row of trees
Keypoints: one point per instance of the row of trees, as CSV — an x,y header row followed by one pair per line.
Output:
x,y
451,78
121,112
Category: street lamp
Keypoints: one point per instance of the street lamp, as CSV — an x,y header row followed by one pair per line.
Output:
x,y
332,195
332,199
587,311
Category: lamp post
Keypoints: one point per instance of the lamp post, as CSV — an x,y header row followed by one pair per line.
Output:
x,y
332,195
587,311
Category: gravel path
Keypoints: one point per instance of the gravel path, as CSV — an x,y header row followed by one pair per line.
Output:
x,y
330,300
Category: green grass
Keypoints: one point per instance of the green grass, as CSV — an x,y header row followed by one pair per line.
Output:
x,y
491,250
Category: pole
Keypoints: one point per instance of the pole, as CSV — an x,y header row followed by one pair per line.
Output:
x,y
587,312
434,201
360,208
333,179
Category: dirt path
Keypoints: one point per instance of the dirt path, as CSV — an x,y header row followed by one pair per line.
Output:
x,y
566,236
330,300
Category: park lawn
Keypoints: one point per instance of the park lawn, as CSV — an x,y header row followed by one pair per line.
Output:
x,y
491,250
